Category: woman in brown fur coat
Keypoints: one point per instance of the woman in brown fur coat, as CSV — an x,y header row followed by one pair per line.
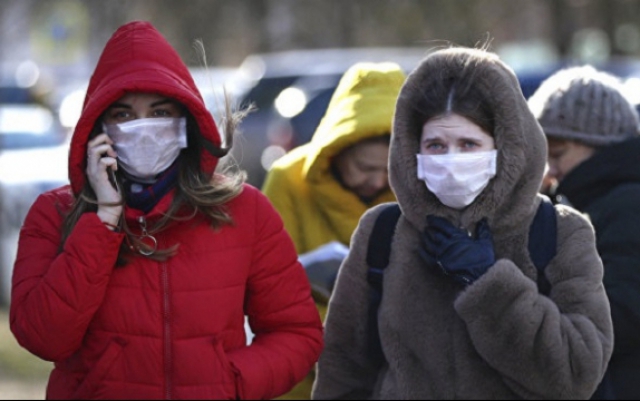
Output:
x,y
461,315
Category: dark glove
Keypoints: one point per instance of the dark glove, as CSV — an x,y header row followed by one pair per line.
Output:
x,y
460,256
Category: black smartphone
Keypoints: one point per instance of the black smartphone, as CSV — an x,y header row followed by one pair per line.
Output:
x,y
112,178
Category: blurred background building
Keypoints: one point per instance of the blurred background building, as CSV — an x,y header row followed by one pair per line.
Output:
x,y
283,56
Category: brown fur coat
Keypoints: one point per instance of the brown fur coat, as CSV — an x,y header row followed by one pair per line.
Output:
x,y
498,338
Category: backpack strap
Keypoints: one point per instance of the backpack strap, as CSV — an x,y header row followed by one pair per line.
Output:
x,y
543,237
379,247
378,251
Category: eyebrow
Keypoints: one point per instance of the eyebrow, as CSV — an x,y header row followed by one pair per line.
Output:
x,y
163,101
440,139
154,104
120,105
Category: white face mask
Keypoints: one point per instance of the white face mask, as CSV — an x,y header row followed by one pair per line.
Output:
x,y
148,146
457,178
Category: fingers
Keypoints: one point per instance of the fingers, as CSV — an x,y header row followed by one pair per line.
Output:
x,y
441,229
100,154
483,231
101,145
102,150
106,162
427,257
102,138
437,221
101,163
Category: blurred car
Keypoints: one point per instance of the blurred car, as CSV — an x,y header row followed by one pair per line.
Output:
x,y
33,159
290,92
15,94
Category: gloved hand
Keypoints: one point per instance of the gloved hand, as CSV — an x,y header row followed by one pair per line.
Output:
x,y
459,255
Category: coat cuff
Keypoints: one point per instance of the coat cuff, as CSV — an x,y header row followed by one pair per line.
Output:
x,y
500,285
94,244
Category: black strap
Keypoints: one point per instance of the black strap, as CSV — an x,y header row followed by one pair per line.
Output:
x,y
379,247
378,251
543,236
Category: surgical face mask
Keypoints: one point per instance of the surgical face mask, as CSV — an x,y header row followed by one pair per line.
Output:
x,y
148,146
457,179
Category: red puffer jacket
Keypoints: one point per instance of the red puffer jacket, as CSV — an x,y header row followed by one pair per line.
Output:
x,y
161,330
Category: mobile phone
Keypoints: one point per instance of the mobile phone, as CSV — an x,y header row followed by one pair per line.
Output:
x,y
112,178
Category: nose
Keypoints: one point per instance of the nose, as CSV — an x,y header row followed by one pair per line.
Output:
x,y
379,180
553,170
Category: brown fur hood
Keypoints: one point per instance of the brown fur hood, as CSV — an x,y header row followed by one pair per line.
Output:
x,y
509,200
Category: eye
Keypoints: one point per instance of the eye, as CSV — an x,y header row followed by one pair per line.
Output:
x,y
368,169
167,110
434,144
434,147
556,154
470,145
115,116
162,113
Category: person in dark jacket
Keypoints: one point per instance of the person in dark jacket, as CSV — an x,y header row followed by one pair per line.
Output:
x,y
461,315
136,278
594,153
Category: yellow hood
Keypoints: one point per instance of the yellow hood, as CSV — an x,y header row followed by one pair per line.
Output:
x,y
314,206
361,107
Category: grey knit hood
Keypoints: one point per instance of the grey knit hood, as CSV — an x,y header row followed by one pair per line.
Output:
x,y
509,201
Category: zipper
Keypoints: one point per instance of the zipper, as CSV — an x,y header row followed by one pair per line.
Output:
x,y
166,316
166,309
151,241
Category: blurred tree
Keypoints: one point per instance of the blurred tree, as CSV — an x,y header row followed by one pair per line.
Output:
x,y
231,29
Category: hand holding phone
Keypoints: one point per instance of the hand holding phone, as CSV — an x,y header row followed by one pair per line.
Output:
x,y
102,164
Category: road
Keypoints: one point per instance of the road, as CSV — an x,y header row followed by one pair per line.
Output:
x,y
23,376
14,389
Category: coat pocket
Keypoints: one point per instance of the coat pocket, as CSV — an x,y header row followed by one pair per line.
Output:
x,y
89,386
228,376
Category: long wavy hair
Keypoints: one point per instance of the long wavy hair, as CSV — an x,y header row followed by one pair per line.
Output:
x,y
196,192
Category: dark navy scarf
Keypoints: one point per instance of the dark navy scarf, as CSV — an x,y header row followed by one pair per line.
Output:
x,y
144,196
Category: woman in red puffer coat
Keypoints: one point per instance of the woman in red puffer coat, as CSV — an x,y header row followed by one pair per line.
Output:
x,y
136,279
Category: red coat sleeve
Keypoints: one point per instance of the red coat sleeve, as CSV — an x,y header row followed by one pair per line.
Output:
x,y
55,294
282,314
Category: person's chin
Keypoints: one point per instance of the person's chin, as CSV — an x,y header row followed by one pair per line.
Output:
x,y
369,195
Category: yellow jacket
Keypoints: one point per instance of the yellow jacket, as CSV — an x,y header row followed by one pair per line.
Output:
x,y
315,208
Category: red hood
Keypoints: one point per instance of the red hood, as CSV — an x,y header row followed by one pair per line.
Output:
x,y
138,58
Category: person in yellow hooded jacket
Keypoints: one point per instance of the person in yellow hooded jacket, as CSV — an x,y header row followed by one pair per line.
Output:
x,y
322,188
